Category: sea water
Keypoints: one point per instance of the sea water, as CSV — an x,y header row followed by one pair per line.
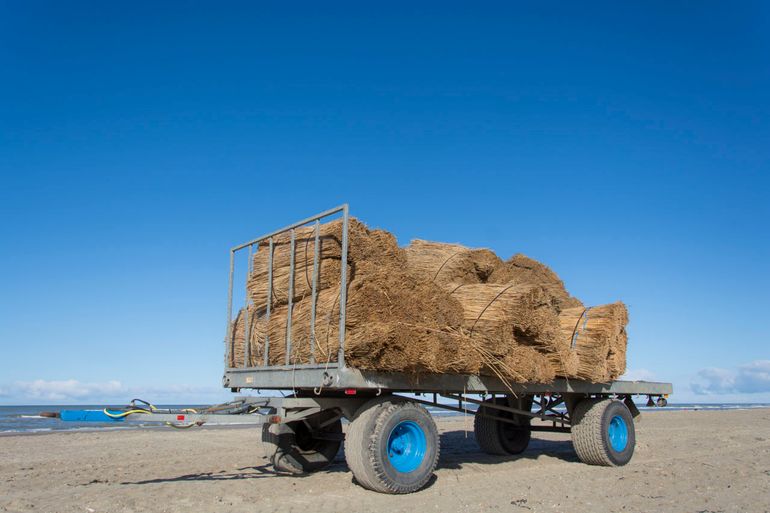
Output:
x,y
27,419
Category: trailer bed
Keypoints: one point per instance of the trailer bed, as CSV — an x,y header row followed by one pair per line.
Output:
x,y
353,379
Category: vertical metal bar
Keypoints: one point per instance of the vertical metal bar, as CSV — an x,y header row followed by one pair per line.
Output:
x,y
314,292
343,285
290,298
269,300
246,316
229,330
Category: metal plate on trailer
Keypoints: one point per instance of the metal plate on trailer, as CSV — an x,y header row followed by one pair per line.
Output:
x,y
271,378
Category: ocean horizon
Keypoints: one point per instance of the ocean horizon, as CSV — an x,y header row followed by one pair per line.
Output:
x,y
21,419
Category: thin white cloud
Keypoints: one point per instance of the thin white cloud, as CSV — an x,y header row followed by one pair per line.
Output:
x,y
74,391
751,378
754,377
70,389
638,375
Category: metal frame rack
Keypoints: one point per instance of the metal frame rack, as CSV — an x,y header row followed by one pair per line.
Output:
x,y
266,243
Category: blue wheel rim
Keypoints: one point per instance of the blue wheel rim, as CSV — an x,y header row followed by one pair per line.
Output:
x,y
407,446
618,433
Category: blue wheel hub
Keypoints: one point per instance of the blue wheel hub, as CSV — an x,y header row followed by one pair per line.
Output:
x,y
407,446
618,433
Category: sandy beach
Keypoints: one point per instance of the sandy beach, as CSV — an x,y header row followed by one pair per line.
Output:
x,y
685,461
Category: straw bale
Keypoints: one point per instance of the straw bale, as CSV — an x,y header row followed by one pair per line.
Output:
x,y
450,264
521,269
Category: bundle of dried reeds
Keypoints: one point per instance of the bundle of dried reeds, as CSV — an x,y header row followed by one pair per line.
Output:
x,y
616,362
516,315
521,269
503,311
237,354
374,248
448,264
525,364
598,336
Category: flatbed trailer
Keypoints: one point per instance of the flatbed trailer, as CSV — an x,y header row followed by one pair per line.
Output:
x,y
391,441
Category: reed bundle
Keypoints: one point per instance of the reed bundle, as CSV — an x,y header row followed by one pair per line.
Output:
x,y
374,248
516,315
508,312
237,353
598,336
450,264
521,269
616,362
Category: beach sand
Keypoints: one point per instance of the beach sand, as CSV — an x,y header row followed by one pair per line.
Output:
x,y
685,461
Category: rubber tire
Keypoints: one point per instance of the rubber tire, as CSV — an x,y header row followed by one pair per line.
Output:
x,y
366,446
590,437
290,448
501,438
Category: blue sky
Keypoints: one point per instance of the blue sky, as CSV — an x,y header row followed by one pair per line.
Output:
x,y
627,147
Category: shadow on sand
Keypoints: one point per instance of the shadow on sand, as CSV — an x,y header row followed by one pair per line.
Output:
x,y
457,448
460,447
256,472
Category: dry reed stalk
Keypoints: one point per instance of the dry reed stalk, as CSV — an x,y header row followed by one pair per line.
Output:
x,y
563,361
520,269
599,337
616,362
448,264
529,364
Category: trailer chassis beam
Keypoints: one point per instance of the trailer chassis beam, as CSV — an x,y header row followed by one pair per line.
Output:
x,y
539,415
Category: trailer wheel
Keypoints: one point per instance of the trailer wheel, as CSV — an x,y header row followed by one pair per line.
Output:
x,y
499,437
603,432
392,446
303,446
